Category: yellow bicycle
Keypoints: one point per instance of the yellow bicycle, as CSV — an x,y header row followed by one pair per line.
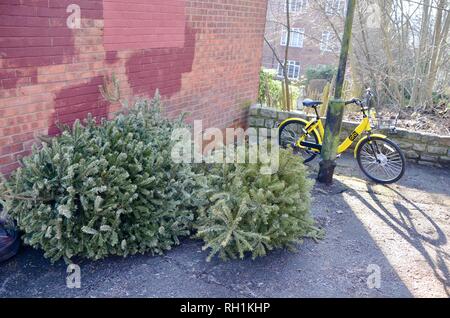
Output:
x,y
379,158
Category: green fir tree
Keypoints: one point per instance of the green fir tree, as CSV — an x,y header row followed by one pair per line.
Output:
x,y
250,212
107,189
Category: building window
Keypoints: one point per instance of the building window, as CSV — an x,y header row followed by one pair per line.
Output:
x,y
297,37
296,6
334,7
327,42
293,69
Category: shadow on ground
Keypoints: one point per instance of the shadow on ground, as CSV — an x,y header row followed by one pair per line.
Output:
x,y
365,225
410,223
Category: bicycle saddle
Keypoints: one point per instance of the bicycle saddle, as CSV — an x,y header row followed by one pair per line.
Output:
x,y
311,103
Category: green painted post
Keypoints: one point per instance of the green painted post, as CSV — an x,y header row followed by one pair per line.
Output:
x,y
335,111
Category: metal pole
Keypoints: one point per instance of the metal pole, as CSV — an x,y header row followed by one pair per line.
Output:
x,y
335,111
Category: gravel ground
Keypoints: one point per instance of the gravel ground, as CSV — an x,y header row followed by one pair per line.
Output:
x,y
400,230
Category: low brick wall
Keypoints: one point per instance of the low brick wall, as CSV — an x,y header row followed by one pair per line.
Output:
x,y
422,148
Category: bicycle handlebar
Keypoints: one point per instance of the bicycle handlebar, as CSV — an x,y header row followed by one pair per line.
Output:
x,y
353,101
357,102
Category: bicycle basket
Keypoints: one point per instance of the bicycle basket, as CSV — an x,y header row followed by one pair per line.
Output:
x,y
384,123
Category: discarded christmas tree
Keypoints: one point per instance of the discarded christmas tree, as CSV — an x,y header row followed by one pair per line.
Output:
x,y
253,213
108,189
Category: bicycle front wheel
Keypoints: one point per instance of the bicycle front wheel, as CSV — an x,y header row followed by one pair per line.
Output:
x,y
381,160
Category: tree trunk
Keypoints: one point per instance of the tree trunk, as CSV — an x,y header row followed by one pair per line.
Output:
x,y
286,57
387,6
439,38
416,99
336,108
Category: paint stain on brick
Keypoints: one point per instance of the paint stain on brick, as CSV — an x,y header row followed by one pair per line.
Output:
x,y
34,33
77,102
111,57
161,68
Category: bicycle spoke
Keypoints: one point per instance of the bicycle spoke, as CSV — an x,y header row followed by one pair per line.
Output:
x,y
390,172
381,161
290,137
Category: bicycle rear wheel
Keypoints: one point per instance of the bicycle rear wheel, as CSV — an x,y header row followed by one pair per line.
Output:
x,y
381,160
291,132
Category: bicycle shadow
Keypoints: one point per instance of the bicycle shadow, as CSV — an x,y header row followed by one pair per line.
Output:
x,y
404,224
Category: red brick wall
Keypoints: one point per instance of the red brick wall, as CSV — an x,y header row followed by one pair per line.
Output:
x,y
203,56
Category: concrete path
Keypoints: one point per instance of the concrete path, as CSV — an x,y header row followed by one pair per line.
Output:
x,y
400,230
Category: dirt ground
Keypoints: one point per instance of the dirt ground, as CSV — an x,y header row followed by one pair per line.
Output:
x,y
399,232
408,221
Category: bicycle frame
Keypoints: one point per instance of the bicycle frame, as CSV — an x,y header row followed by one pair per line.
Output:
x,y
316,125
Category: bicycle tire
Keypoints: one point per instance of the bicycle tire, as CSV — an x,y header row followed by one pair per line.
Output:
x,y
310,155
396,159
